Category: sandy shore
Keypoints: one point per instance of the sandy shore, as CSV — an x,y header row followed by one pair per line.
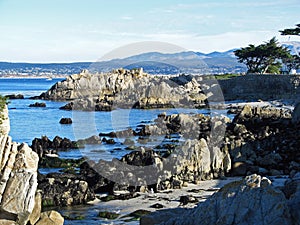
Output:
x,y
168,199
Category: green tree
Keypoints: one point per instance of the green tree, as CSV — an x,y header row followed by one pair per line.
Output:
x,y
291,31
263,58
291,62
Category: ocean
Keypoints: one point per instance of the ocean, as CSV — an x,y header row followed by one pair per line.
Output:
x,y
28,123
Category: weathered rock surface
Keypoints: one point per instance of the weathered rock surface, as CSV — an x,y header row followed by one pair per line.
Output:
x,y
250,201
126,88
50,218
19,200
4,122
64,190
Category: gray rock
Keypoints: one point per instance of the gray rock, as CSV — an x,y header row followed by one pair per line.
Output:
x,y
296,114
249,201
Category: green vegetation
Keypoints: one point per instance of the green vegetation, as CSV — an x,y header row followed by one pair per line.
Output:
x,y
3,102
291,31
108,215
264,58
270,57
226,76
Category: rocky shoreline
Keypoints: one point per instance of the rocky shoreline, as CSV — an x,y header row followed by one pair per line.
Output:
x,y
260,142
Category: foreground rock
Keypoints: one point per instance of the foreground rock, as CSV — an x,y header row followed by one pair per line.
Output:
x,y
250,201
19,201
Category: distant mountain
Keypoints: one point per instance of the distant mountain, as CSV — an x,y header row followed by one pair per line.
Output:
x,y
152,62
182,62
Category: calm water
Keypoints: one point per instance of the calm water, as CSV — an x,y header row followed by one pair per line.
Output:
x,y
28,123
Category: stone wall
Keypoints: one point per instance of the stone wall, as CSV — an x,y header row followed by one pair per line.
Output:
x,y
265,87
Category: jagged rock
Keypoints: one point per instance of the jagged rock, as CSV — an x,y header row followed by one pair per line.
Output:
x,y
19,201
68,106
19,193
50,218
250,201
64,190
125,88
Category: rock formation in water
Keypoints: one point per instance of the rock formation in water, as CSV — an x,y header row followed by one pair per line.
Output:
x,y
127,88
20,203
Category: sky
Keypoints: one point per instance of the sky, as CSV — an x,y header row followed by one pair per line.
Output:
x,y
78,31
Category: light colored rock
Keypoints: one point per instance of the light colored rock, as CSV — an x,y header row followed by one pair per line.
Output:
x,y
50,218
238,203
4,123
7,222
36,213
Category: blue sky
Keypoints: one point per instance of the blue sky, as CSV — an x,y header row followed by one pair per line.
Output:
x,y
66,31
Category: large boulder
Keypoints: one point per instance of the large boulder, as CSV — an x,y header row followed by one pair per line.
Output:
x,y
20,203
250,201
50,218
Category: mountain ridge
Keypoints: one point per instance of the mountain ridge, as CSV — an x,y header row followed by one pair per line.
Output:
x,y
191,62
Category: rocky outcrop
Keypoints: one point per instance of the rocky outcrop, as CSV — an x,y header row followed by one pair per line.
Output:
x,y
126,88
19,200
64,190
250,201
264,141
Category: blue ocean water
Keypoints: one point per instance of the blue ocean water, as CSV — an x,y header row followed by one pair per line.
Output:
x,y
28,123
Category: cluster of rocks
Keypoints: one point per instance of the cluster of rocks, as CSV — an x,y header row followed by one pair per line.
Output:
x,y
44,146
256,141
128,88
20,203
253,200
